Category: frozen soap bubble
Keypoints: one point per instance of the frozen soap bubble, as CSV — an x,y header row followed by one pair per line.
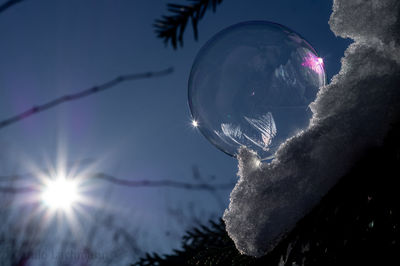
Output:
x,y
251,85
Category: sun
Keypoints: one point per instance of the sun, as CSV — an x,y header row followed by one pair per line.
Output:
x,y
63,194
60,193
63,197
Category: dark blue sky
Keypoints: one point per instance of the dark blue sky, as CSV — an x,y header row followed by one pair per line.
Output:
x,y
140,129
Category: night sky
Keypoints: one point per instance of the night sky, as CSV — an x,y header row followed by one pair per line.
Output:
x,y
139,129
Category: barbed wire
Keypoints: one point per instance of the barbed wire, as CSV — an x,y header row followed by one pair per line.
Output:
x,y
169,183
84,93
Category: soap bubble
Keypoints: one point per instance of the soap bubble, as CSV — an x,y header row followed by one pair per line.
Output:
x,y
251,84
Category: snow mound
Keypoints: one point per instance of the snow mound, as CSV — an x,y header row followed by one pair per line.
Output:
x,y
350,114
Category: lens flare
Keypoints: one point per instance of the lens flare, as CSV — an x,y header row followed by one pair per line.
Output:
x,y
195,123
314,63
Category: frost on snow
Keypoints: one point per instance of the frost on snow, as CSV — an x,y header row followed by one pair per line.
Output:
x,y
350,114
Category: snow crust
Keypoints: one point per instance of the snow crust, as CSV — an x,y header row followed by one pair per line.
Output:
x,y
350,114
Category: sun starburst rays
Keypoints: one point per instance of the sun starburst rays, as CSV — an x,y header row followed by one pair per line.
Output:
x,y
63,195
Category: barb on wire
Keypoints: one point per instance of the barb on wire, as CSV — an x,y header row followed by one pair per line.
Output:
x,y
71,97
9,4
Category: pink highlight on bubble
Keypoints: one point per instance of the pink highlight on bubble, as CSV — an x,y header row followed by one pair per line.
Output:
x,y
313,62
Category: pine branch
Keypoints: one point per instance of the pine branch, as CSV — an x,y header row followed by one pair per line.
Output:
x,y
9,4
172,27
200,246
71,97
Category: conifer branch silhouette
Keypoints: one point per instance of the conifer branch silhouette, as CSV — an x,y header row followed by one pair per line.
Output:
x,y
171,28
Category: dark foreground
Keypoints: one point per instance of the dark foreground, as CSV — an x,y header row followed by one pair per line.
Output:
x,y
356,223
